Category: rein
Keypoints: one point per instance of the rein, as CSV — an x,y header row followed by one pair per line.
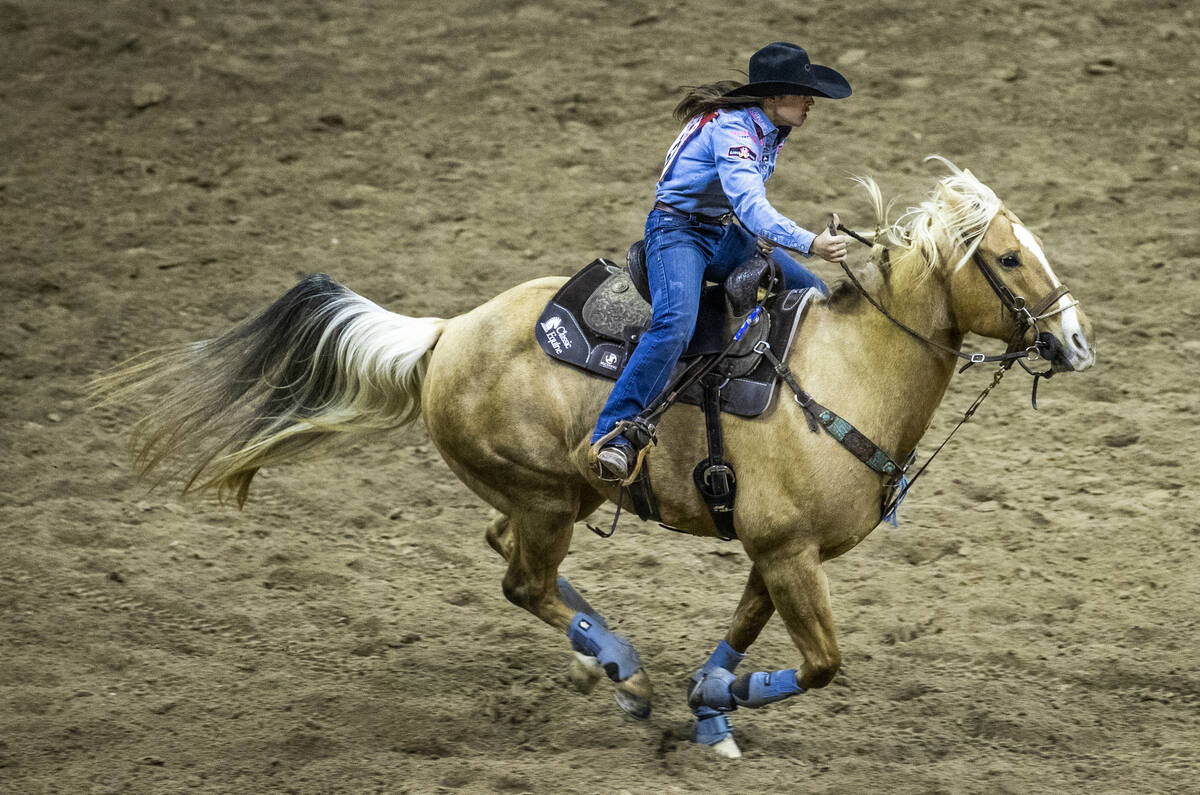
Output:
x,y
1025,317
970,412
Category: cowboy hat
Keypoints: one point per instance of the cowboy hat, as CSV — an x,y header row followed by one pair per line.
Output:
x,y
782,68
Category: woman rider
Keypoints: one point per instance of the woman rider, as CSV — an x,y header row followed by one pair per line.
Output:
x,y
719,163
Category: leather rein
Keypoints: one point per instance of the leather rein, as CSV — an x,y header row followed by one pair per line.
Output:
x,y
1025,318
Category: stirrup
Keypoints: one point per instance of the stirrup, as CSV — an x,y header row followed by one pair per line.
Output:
x,y
641,429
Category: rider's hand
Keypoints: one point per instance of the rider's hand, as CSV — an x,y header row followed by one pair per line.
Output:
x,y
829,247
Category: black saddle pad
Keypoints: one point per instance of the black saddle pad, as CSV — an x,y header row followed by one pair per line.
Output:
x,y
563,334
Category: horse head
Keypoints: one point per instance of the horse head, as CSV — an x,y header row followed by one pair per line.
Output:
x,y
1006,289
1001,284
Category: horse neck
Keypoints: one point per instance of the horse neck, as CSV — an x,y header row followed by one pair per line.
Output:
x,y
891,380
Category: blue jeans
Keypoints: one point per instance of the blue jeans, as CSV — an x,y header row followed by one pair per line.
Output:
x,y
681,254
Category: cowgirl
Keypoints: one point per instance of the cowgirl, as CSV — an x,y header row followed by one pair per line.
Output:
x,y
719,163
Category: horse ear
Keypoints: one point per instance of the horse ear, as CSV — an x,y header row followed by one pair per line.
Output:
x,y
948,195
967,204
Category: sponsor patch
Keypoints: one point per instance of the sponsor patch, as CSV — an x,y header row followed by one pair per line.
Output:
x,y
742,153
556,335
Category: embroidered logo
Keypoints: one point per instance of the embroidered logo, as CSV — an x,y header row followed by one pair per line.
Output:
x,y
556,335
742,153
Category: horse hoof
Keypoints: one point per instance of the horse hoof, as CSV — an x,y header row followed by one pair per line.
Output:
x,y
585,673
727,748
634,695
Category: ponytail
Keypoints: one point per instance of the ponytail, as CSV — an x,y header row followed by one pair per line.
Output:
x,y
707,98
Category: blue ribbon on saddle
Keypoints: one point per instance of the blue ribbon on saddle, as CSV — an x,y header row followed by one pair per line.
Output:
x,y
747,323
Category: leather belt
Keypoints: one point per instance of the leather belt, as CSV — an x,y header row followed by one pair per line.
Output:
x,y
715,220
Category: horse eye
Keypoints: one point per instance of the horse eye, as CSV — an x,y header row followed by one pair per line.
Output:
x,y
1010,261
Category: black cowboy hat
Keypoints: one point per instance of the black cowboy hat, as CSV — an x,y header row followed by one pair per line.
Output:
x,y
782,68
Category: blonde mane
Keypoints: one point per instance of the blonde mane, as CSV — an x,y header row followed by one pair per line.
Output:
x,y
955,214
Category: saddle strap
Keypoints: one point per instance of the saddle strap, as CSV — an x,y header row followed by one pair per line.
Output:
x,y
853,440
714,478
645,505
641,493
850,437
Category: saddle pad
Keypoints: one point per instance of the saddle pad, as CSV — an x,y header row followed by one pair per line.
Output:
x,y
562,335
614,309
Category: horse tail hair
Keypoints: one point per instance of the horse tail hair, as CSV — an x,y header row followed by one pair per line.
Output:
x,y
320,366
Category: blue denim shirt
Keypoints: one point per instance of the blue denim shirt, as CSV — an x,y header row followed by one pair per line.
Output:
x,y
721,163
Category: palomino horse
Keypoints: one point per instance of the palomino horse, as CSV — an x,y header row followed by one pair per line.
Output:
x,y
323,364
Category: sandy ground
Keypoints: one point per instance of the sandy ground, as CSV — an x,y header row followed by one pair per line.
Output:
x,y
169,168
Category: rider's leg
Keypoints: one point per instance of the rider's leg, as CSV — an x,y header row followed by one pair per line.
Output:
x,y
737,245
676,253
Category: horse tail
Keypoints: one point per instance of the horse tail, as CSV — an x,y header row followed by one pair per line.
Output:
x,y
321,365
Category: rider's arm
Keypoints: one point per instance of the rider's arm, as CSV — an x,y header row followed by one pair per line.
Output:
x,y
736,150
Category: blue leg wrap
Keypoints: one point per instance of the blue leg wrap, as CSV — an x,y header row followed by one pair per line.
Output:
x,y
723,657
712,690
617,655
764,687
711,725
574,600
720,691
712,728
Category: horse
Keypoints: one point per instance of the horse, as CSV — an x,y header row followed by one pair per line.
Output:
x,y
323,365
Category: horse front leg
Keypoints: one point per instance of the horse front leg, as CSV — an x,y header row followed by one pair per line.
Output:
x,y
796,586
753,611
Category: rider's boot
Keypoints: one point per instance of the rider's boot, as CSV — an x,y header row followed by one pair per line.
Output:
x,y
618,455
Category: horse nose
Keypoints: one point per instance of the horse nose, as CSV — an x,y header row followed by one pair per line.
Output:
x,y
1079,344
1081,354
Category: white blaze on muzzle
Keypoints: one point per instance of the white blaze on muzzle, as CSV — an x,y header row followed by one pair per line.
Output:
x,y
1075,343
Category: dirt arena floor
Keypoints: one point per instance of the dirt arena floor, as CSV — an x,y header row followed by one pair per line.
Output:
x,y
170,167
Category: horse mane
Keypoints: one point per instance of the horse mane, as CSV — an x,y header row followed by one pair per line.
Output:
x,y
955,213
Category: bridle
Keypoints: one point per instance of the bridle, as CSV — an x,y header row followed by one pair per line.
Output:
x,y
1026,318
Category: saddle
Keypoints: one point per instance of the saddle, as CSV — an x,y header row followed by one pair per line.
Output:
x,y
595,320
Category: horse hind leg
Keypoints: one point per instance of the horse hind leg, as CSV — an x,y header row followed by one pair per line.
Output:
x,y
585,672
499,535
534,545
587,668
